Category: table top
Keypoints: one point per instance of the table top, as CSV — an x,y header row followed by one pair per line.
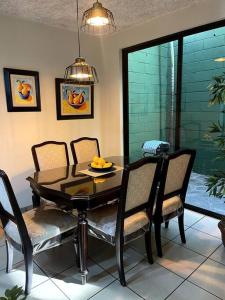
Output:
x,y
66,185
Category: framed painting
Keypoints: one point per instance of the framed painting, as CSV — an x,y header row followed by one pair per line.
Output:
x,y
74,101
22,90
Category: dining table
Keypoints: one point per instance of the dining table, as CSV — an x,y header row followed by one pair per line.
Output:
x,y
75,188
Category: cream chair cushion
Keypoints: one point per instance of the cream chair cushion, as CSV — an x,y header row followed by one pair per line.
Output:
x,y
45,226
171,205
102,223
85,150
51,156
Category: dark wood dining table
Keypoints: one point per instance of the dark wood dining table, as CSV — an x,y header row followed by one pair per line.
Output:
x,y
68,187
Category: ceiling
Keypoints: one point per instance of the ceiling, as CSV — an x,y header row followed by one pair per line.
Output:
x,y
61,13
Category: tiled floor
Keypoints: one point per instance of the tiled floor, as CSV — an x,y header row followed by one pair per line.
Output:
x,y
195,270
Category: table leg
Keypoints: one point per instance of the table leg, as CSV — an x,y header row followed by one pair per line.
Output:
x,y
35,199
83,244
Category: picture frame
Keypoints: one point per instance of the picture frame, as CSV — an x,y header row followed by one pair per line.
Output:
x,y
74,101
22,90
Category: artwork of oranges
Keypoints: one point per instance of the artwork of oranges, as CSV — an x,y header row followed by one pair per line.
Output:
x,y
24,90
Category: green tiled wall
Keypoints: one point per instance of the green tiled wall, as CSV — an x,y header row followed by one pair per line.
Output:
x,y
199,67
149,90
150,95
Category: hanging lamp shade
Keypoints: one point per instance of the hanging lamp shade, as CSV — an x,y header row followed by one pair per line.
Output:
x,y
98,20
81,72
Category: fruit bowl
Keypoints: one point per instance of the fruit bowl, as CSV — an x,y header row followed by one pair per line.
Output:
x,y
26,96
101,169
77,105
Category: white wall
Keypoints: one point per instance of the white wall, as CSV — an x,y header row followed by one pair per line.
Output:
x,y
112,131
31,46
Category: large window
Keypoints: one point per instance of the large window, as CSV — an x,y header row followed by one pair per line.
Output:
x,y
166,98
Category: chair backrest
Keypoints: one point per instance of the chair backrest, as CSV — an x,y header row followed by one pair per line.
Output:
x,y
174,177
49,155
11,213
139,186
84,149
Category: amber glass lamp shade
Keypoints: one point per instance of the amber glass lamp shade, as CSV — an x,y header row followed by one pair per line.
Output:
x,y
81,72
98,20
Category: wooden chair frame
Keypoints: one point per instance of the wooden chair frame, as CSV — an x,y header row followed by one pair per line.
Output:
x,y
26,246
158,219
122,214
79,140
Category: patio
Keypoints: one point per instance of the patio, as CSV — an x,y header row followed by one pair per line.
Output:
x,y
197,195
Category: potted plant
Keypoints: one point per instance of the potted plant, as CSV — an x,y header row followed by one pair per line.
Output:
x,y
216,182
16,293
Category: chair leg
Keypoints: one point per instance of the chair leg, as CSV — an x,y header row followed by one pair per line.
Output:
x,y
76,247
119,257
158,238
181,228
148,245
9,250
167,224
28,259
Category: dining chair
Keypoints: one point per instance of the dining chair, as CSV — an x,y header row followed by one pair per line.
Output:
x,y
84,149
49,155
32,232
46,156
131,217
173,184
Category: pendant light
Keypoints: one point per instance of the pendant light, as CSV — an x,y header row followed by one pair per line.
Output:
x,y
98,20
80,71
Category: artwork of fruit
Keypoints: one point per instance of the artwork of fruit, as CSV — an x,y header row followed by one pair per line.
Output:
x,y
24,90
76,99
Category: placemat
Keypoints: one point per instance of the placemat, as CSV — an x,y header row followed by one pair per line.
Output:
x,y
97,174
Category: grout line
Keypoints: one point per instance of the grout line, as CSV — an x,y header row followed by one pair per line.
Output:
x,y
183,245
54,274
102,289
186,279
205,232
59,289
203,289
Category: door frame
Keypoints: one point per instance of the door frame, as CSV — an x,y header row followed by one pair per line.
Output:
x,y
179,36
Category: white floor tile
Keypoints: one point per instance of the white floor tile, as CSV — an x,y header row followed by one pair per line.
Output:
x,y
107,259
70,282
152,281
56,260
17,277
171,232
116,292
210,276
3,257
191,217
208,225
200,242
219,255
46,291
179,260
188,290
139,245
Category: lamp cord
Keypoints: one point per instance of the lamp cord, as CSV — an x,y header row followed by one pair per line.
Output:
x,y
78,30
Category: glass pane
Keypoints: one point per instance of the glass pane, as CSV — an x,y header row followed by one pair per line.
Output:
x,y
199,68
152,87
